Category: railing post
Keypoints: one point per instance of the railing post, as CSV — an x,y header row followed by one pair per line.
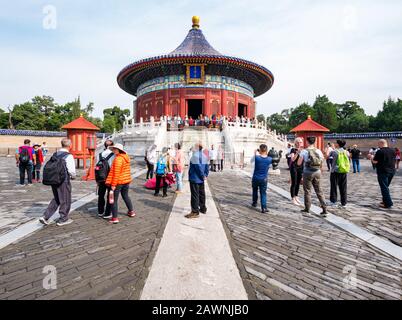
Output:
x,y
152,122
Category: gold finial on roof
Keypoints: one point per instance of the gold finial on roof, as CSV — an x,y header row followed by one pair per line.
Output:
x,y
309,117
196,22
81,115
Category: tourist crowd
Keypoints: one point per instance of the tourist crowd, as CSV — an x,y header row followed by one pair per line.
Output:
x,y
305,166
212,121
166,168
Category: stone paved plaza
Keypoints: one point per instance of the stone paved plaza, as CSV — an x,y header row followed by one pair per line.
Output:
x,y
364,197
282,255
285,255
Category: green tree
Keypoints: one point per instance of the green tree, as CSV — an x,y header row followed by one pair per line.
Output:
x,y
300,114
390,117
119,115
261,118
27,116
278,122
109,124
45,104
3,119
325,113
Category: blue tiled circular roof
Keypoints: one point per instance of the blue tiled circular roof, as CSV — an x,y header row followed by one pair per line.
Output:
x,y
195,44
195,49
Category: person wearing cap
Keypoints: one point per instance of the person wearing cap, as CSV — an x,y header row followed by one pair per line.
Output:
x,y
119,180
38,164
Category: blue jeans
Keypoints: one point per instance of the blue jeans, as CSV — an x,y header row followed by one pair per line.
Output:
x,y
179,181
356,165
261,185
384,180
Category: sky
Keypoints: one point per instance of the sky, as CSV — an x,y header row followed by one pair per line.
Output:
x,y
348,50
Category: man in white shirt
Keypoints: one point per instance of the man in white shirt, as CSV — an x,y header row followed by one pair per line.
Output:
x,y
62,193
103,190
213,156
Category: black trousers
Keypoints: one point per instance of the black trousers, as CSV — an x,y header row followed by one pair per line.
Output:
x,y
339,180
36,171
102,191
160,178
295,175
198,197
123,189
28,167
212,164
329,162
150,172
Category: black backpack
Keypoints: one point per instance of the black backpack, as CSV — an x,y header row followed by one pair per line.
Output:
x,y
24,156
55,170
102,168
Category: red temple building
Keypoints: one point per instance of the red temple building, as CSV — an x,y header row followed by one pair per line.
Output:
x,y
193,80
310,128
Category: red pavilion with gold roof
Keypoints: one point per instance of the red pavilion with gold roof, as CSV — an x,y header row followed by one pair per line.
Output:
x,y
310,128
193,80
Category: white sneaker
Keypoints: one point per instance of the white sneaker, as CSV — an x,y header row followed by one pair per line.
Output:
x,y
332,204
294,201
298,202
44,221
64,223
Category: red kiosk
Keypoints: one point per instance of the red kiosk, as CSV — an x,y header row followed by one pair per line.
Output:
x,y
310,128
81,132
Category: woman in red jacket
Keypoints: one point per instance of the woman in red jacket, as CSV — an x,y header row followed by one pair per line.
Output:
x,y
38,164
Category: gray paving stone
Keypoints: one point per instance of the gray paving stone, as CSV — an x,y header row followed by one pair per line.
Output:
x,y
308,255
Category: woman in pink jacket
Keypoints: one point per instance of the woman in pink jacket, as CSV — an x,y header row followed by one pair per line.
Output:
x,y
179,167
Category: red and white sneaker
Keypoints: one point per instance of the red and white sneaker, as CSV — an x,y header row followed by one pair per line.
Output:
x,y
114,220
131,214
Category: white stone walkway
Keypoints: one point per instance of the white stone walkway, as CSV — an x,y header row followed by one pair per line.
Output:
x,y
194,260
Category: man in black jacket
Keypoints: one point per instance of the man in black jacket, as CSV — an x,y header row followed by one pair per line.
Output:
x,y
384,160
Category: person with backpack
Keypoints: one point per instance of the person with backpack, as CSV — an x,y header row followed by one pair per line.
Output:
x,y
262,163
197,174
118,180
58,173
312,158
340,168
26,160
39,161
102,169
161,170
384,160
